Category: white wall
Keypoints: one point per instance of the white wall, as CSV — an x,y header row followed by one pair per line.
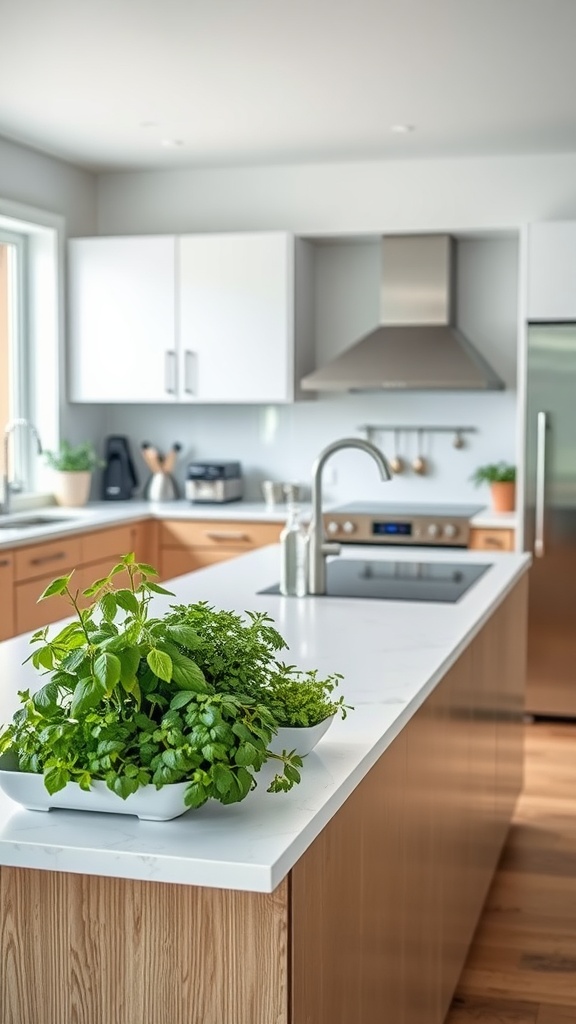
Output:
x,y
397,195
35,179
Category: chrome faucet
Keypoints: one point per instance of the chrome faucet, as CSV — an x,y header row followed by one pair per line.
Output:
x,y
7,486
318,547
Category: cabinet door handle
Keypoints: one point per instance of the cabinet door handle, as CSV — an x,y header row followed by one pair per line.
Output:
x,y
226,535
170,372
189,361
541,427
43,559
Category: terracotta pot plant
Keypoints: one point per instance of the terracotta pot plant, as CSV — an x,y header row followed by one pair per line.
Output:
x,y
134,704
73,466
501,477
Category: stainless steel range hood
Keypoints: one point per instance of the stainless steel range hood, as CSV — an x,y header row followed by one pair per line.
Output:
x,y
415,347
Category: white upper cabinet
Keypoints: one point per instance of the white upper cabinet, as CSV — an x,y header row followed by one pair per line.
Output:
x,y
122,302
196,319
552,271
236,317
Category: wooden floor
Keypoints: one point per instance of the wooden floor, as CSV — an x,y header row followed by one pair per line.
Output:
x,y
522,965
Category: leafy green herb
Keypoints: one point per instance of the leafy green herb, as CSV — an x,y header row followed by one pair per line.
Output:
x,y
74,458
494,473
133,700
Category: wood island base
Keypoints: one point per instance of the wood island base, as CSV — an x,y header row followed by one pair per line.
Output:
x,y
371,926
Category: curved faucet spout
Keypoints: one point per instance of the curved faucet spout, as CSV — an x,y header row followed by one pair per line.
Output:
x,y
9,429
318,548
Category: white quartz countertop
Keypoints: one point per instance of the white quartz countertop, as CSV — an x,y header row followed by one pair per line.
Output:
x,y
488,520
61,522
391,653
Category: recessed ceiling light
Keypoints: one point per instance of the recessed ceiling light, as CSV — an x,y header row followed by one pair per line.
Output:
x,y
402,129
172,143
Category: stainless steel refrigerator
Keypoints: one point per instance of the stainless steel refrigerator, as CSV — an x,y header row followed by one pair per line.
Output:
x,y
550,518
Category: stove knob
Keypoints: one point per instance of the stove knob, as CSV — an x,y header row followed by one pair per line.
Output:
x,y
332,527
349,526
432,530
450,530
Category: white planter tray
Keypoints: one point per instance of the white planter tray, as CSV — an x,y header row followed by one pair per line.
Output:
x,y
147,803
300,738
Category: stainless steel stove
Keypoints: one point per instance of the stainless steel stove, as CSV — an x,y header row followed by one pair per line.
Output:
x,y
407,525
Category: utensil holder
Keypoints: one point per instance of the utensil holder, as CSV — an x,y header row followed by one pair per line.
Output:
x,y
161,487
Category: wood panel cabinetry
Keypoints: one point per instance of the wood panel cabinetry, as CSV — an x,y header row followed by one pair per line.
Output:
x,y
188,545
499,539
7,626
373,923
90,555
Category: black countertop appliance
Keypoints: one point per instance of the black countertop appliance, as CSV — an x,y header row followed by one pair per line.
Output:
x,y
119,479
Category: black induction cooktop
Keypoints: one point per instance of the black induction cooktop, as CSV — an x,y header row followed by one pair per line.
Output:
x,y
443,582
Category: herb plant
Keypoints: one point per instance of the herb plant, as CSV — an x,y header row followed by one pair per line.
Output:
x,y
301,698
240,657
80,458
494,473
128,702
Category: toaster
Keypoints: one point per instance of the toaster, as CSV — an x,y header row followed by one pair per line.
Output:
x,y
213,482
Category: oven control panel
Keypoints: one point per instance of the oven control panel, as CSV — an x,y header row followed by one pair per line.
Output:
x,y
420,531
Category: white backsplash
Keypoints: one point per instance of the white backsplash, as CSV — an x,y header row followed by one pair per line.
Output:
x,y
281,442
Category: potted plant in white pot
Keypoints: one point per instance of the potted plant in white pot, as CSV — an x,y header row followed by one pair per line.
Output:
x,y
501,476
128,710
73,466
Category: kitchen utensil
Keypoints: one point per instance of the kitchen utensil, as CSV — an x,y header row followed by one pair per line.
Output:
x,y
151,457
292,493
396,463
170,458
273,492
458,441
419,462
161,487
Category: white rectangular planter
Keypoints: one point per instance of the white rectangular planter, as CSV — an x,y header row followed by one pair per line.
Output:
x,y
147,803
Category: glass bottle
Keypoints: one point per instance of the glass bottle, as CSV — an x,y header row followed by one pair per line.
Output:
x,y
293,555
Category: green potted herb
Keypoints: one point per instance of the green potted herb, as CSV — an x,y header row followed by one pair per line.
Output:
x,y
501,476
73,466
127,711
240,656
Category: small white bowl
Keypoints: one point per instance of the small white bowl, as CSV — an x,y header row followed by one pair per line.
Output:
x,y
300,738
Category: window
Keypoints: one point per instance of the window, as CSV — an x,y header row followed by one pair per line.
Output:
x,y
29,342
14,398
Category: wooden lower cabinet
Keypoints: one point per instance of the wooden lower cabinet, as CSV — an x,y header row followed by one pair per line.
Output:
x,y
7,618
372,925
491,540
90,555
186,545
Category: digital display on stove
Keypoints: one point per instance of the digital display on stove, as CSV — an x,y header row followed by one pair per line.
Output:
x,y
392,529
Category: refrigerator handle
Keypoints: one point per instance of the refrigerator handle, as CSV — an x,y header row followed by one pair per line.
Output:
x,y
542,424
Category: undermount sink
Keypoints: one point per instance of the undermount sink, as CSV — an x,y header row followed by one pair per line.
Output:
x,y
26,522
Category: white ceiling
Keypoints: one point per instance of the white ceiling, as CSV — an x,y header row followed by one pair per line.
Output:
x,y
102,82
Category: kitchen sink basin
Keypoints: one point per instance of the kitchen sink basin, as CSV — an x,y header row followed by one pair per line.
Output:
x,y
27,522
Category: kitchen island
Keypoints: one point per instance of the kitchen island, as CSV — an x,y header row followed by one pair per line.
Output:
x,y
350,900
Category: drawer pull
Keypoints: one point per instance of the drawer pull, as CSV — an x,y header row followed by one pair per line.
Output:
x,y
4,562
227,535
493,542
57,557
